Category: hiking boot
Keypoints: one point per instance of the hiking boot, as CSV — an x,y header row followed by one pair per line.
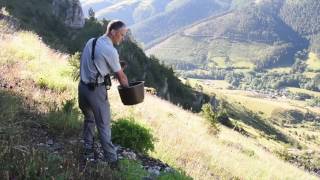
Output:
x,y
89,155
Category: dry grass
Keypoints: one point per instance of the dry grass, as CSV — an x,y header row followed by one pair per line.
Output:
x,y
300,90
185,141
49,69
313,62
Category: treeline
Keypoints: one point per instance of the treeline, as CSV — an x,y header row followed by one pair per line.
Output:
x,y
265,81
260,80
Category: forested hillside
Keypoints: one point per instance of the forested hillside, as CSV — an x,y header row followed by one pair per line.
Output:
x,y
303,17
265,34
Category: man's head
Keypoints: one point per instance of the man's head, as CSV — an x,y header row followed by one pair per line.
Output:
x,y
116,30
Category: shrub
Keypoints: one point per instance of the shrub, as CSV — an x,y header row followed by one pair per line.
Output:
x,y
131,135
223,118
208,114
74,62
64,120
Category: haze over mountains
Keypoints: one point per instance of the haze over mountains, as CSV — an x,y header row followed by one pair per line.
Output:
x,y
263,33
152,19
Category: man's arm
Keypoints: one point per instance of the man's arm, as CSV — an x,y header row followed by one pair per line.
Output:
x,y
122,78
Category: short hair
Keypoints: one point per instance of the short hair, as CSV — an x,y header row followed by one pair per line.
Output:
x,y
115,25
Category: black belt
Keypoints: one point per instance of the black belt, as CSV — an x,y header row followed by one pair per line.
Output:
x,y
92,84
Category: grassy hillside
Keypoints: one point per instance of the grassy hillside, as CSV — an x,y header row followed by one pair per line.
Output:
x,y
253,35
289,117
36,112
175,17
132,11
205,53
145,15
122,10
228,155
40,123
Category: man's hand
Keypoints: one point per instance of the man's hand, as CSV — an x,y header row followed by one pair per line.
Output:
x,y
122,78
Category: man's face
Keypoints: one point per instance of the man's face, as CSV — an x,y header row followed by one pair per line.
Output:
x,y
119,35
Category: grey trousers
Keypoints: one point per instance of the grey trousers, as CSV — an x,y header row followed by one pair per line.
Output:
x,y
95,107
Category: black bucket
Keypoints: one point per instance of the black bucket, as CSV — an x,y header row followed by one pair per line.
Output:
x,y
134,94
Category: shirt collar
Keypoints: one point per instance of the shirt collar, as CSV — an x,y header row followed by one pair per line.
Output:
x,y
109,41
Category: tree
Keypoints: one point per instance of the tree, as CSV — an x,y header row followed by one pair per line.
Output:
x,y
91,13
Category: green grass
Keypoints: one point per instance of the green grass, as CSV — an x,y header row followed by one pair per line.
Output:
x,y
227,155
46,68
175,175
132,170
64,121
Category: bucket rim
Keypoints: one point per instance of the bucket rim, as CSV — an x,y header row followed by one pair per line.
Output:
x,y
139,83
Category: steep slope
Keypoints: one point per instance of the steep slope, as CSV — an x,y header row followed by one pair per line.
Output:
x,y
176,17
254,36
145,16
40,127
40,123
142,67
133,12
227,155
122,10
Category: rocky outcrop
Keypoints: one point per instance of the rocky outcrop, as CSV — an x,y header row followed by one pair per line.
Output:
x,y
70,12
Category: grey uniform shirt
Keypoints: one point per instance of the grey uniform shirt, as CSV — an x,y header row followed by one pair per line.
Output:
x,y
106,60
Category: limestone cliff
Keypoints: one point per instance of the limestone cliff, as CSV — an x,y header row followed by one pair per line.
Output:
x,y
70,12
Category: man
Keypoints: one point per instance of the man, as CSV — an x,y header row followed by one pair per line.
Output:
x,y
93,97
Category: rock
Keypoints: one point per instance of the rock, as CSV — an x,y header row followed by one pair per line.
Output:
x,y
129,155
41,145
168,169
73,15
50,142
154,171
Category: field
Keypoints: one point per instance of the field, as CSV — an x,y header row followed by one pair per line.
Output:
x,y
222,53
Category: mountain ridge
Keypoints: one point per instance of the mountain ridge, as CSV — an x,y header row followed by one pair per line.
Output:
x,y
241,25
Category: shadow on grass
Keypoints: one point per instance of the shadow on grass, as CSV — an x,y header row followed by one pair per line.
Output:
x,y
21,128
250,118
21,157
